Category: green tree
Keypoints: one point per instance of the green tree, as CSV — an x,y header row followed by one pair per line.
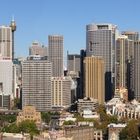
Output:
x,y
11,128
69,122
130,132
28,126
24,127
46,117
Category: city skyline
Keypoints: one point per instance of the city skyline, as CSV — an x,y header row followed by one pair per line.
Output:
x,y
36,20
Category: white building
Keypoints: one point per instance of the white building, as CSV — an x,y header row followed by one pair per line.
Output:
x,y
87,113
6,82
114,130
130,110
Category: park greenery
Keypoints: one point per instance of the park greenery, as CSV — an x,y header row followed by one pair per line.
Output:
x,y
26,126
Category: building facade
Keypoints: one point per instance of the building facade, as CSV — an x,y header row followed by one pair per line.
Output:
x,y
94,78
124,55
6,83
36,83
29,113
87,103
114,130
6,42
137,70
131,35
73,63
100,41
55,54
61,91
37,49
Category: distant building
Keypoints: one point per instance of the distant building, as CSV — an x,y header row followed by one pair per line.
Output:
x,y
6,42
131,35
6,83
89,114
98,135
137,70
94,78
100,41
81,81
114,130
61,91
73,63
15,136
36,83
87,103
37,49
129,110
55,54
124,56
29,113
80,133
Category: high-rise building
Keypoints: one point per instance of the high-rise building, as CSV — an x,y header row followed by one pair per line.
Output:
x,y
6,80
73,63
94,78
6,42
124,54
100,41
37,49
61,91
36,83
137,70
81,80
55,54
131,35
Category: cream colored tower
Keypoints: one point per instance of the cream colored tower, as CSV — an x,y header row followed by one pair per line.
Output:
x,y
94,78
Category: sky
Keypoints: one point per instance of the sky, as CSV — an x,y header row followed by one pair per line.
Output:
x,y
36,19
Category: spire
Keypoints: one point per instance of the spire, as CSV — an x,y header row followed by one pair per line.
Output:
x,y
13,18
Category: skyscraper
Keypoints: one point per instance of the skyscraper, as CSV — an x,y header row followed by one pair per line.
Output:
x,y
55,53
124,54
37,49
100,41
36,83
94,78
6,79
131,35
134,36
73,63
137,70
81,81
6,42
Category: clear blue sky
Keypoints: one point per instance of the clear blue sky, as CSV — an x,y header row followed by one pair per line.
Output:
x,y
36,19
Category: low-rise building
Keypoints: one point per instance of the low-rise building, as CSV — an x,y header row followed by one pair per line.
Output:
x,y
14,136
90,114
98,135
129,110
87,103
29,113
114,130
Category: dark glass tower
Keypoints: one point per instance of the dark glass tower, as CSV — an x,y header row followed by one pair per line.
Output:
x,y
100,41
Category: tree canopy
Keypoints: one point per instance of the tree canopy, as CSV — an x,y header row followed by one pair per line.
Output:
x,y
131,131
